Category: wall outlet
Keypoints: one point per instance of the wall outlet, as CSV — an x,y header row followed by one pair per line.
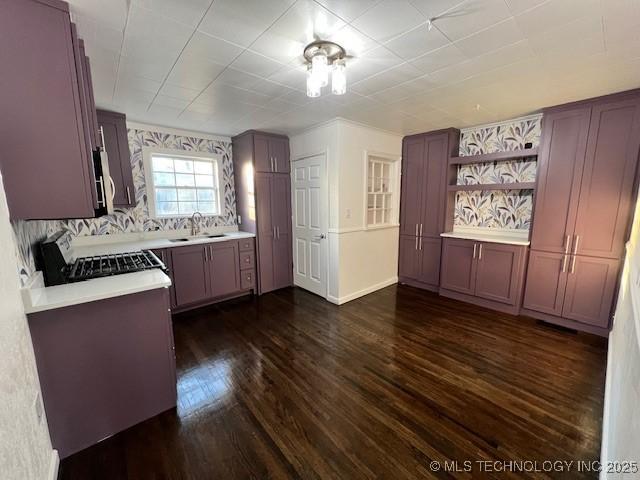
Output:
x,y
37,406
348,213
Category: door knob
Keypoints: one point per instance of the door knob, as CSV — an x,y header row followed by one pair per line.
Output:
x,y
320,237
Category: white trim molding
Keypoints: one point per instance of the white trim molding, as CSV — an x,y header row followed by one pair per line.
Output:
x,y
361,293
176,131
54,464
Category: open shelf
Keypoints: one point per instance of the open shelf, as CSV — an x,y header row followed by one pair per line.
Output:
x,y
492,186
494,157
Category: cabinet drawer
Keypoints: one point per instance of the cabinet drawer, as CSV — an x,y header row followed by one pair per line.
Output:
x,y
247,279
246,244
247,260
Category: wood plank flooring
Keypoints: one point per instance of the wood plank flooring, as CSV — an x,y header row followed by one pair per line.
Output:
x,y
290,386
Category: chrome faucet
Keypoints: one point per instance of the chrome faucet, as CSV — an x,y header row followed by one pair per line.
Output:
x,y
195,227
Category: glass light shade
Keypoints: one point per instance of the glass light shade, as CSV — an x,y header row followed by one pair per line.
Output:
x,y
313,85
339,78
320,67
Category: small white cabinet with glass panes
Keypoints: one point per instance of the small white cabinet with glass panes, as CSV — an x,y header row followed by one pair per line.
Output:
x,y
180,185
380,173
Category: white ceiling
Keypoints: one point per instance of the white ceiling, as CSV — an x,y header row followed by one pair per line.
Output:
x,y
225,66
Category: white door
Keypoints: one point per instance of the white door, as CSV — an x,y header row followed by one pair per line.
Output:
x,y
310,223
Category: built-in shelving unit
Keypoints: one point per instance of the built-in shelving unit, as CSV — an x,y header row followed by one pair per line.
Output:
x,y
492,186
494,157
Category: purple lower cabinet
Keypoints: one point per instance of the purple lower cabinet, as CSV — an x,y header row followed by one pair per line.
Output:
x,y
224,268
458,271
546,282
429,249
591,287
498,271
104,366
409,258
190,267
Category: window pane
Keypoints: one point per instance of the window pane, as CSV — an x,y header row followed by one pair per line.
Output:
x,y
206,195
204,181
186,195
183,166
370,218
371,201
184,180
207,208
162,164
378,216
162,179
166,195
167,208
387,216
187,208
203,168
380,201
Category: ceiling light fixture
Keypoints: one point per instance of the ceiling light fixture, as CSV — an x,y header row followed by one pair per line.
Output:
x,y
323,58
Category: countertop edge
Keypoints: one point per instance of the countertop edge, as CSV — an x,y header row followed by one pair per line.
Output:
x,y
486,238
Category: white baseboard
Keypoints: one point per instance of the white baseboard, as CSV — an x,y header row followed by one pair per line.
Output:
x,y
53,465
606,414
362,293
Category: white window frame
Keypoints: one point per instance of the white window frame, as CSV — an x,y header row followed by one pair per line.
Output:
x,y
393,193
148,152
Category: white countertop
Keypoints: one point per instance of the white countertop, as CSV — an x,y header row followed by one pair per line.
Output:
x,y
127,245
38,298
482,235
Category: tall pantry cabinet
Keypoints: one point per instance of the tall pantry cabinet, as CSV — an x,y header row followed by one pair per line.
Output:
x,y
422,205
584,204
263,201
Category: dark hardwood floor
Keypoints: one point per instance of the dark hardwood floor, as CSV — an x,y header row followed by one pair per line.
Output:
x,y
290,386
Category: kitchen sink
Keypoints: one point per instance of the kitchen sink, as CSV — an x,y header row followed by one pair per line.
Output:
x,y
216,236
175,240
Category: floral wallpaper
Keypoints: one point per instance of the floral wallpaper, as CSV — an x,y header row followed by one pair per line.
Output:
x,y
136,219
505,209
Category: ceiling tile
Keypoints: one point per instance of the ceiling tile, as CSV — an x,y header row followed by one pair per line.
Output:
x,y
115,16
354,42
194,72
171,102
440,58
256,64
518,6
242,22
238,79
148,33
386,79
388,19
579,35
226,93
154,67
189,13
178,92
622,23
492,38
292,77
433,8
348,10
471,17
371,63
139,83
555,14
417,42
271,89
280,105
212,48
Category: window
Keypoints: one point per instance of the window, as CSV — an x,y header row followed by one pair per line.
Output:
x,y
380,200
179,185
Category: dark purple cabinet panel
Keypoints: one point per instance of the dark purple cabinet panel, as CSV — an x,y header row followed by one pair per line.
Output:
x,y
409,258
606,192
164,254
261,154
412,186
43,153
434,184
247,260
93,116
429,262
279,151
266,231
497,275
281,219
546,282
104,366
562,151
248,279
458,270
224,268
191,274
247,245
591,286
114,129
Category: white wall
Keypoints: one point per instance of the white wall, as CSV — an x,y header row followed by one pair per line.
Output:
x,y
621,425
25,448
360,260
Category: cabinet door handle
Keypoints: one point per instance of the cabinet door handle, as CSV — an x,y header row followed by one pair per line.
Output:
x,y
416,229
129,195
475,245
113,187
278,230
564,263
575,245
567,244
275,164
206,259
420,243
573,265
416,247
104,144
420,229
211,252
480,252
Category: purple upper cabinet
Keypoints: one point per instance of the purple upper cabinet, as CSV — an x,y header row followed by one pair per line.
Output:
x,y
43,152
606,192
560,161
96,139
434,184
261,154
114,128
412,185
279,151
